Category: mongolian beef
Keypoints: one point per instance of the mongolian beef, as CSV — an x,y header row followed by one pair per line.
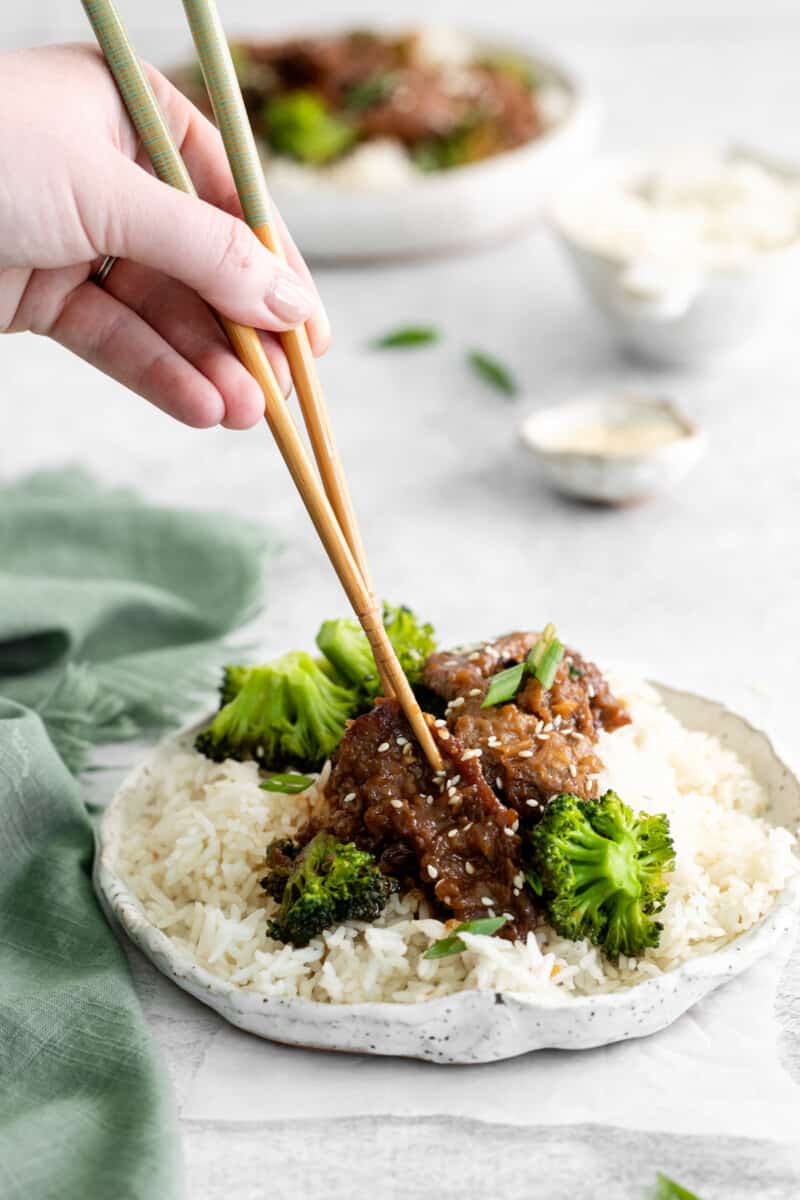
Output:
x,y
315,99
510,832
457,834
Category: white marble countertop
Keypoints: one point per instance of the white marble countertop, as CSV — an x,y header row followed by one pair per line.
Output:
x,y
700,587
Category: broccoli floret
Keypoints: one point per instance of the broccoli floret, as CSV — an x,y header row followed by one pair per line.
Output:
x,y
299,125
289,711
281,855
602,871
345,645
320,886
233,680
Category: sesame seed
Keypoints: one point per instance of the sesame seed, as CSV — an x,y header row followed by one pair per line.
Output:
x,y
573,770
429,799
498,783
591,692
468,867
456,779
468,826
434,874
494,742
548,727
532,803
474,692
260,751
349,798
557,723
471,754
452,832
539,726
519,880
473,656
525,754
516,891
508,916
459,700
444,735
542,737
439,723
396,803
384,746
401,741
487,901
508,831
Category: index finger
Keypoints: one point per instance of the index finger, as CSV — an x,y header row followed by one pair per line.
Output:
x,y
203,152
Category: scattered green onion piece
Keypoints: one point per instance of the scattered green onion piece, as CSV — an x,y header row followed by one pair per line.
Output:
x,y
492,372
668,1189
412,335
371,91
575,672
452,944
504,686
546,670
292,784
538,651
534,882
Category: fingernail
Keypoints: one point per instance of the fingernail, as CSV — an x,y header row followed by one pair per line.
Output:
x,y
289,300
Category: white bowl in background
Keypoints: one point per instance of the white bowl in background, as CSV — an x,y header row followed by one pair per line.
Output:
x,y
694,316
475,1026
553,436
450,210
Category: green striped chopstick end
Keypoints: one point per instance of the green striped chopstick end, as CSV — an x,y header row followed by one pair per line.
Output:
x,y
137,95
226,99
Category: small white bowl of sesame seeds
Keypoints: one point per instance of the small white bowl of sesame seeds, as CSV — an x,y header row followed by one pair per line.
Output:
x,y
613,448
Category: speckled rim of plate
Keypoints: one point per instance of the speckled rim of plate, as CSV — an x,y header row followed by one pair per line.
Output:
x,y
476,1026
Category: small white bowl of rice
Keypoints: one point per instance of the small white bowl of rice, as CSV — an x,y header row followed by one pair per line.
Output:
x,y
689,255
181,855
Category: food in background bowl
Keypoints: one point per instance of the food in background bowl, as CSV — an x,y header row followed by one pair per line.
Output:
x,y
382,145
368,109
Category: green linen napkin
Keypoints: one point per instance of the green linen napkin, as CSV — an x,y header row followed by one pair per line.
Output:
x,y
112,611
85,1109
111,615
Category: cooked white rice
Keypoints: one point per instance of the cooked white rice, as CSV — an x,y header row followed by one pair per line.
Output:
x,y
195,853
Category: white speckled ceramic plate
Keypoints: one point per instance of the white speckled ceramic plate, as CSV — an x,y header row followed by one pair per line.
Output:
x,y
475,1026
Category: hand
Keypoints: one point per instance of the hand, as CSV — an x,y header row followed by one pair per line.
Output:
x,y
75,186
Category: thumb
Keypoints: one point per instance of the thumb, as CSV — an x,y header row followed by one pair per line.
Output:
x,y
214,253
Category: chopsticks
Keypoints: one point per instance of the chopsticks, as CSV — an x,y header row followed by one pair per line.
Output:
x,y
225,94
157,140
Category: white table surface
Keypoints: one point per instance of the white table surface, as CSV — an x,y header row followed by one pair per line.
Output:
x,y
700,587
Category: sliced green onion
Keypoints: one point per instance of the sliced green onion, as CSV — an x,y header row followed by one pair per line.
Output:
x,y
291,784
534,882
504,685
492,372
540,646
575,672
452,944
546,670
412,335
668,1189
369,92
